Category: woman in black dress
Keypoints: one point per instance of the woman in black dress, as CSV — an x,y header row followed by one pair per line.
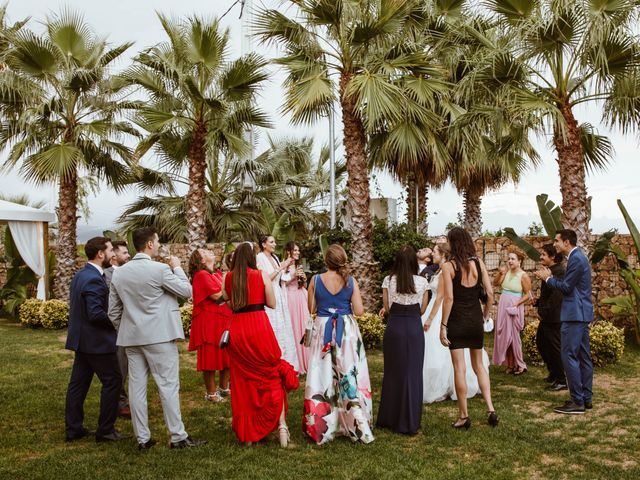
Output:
x,y
405,297
462,319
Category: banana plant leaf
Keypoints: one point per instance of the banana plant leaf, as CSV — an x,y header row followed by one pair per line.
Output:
x,y
550,214
623,305
522,244
633,230
603,247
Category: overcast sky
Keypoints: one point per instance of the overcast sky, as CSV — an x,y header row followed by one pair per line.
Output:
x,y
514,206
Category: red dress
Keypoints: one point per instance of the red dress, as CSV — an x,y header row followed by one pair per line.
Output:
x,y
259,377
208,321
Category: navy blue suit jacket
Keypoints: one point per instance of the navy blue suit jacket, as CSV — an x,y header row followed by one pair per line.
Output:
x,y
576,288
90,330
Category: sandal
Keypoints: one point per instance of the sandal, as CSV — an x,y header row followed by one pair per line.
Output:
x,y
492,419
466,424
224,393
520,371
214,397
283,435
510,370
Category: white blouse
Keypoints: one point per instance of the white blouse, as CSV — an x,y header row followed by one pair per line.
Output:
x,y
420,283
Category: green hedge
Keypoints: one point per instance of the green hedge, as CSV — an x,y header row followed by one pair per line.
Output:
x,y
52,314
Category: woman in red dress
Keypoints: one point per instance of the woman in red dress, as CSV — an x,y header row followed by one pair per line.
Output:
x,y
210,317
261,378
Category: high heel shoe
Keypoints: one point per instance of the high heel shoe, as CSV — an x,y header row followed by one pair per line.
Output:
x,y
283,435
466,425
493,419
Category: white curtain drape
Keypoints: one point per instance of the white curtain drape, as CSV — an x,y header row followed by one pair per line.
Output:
x,y
28,237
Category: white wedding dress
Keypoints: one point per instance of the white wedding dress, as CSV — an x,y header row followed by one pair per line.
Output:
x,y
279,316
437,371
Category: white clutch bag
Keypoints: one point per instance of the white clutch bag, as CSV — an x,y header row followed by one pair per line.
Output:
x,y
488,325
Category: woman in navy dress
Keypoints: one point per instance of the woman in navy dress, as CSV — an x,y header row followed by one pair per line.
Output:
x,y
405,297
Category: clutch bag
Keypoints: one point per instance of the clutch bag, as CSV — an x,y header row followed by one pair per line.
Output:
x,y
224,339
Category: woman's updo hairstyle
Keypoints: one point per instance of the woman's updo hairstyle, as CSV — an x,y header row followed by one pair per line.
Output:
x,y
336,259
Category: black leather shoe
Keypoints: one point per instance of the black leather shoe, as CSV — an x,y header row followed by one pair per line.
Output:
x,y
588,405
147,445
187,443
556,387
77,436
115,436
570,408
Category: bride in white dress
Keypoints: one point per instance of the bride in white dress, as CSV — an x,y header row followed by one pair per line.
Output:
x,y
279,316
437,371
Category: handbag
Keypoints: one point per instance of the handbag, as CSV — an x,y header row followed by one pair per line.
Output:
x,y
224,339
488,325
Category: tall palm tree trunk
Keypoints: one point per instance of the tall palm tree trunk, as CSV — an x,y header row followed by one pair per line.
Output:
x,y
67,221
472,213
423,190
575,204
196,202
355,144
411,201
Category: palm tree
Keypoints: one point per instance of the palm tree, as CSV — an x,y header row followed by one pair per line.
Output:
x,y
200,103
61,118
565,54
289,182
367,45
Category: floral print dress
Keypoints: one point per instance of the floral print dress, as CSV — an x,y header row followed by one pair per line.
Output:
x,y
337,395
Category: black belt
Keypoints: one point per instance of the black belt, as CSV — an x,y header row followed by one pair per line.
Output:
x,y
256,307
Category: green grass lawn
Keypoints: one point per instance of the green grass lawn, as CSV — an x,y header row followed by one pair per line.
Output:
x,y
531,441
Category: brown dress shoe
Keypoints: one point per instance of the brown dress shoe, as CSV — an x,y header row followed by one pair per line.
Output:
x,y
124,412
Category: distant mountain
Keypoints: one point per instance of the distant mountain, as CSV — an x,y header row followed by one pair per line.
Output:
x,y
85,232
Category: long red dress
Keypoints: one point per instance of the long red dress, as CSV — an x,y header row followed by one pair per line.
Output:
x,y
208,321
259,377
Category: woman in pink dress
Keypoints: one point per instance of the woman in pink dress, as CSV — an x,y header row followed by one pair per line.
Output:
x,y
516,291
295,281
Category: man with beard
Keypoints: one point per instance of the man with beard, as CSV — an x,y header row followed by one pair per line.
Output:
x,y
93,339
120,257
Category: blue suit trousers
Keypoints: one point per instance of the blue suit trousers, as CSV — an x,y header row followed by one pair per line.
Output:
x,y
576,359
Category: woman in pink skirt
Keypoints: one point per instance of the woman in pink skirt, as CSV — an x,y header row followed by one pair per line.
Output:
x,y
295,281
516,291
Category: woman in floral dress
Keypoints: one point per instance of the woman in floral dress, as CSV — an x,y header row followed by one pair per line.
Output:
x,y
337,395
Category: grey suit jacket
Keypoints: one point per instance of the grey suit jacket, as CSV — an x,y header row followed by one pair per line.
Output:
x,y
143,303
108,274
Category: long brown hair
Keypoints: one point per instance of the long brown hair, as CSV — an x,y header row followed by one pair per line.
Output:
x,y
404,268
336,259
196,264
462,248
244,257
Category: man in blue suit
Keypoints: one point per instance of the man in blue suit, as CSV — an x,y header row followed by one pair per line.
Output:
x,y
576,314
93,339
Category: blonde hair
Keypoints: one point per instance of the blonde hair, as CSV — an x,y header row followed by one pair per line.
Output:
x,y
336,259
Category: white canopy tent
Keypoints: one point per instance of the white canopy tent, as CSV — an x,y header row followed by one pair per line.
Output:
x,y
30,231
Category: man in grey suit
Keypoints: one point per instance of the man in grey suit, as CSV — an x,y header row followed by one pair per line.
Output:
x,y
120,257
143,307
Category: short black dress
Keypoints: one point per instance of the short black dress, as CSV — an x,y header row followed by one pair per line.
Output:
x,y
465,324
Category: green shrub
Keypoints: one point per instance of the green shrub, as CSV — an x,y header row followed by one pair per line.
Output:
x,y
607,343
529,347
185,315
372,329
29,313
54,314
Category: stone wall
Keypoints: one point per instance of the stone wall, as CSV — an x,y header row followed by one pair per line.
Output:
x,y
606,280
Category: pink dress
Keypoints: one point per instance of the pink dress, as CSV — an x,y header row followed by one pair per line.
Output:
x,y
299,314
509,322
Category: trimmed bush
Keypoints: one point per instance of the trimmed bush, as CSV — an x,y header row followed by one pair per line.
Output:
x,y
54,314
29,313
529,347
372,330
607,343
185,315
